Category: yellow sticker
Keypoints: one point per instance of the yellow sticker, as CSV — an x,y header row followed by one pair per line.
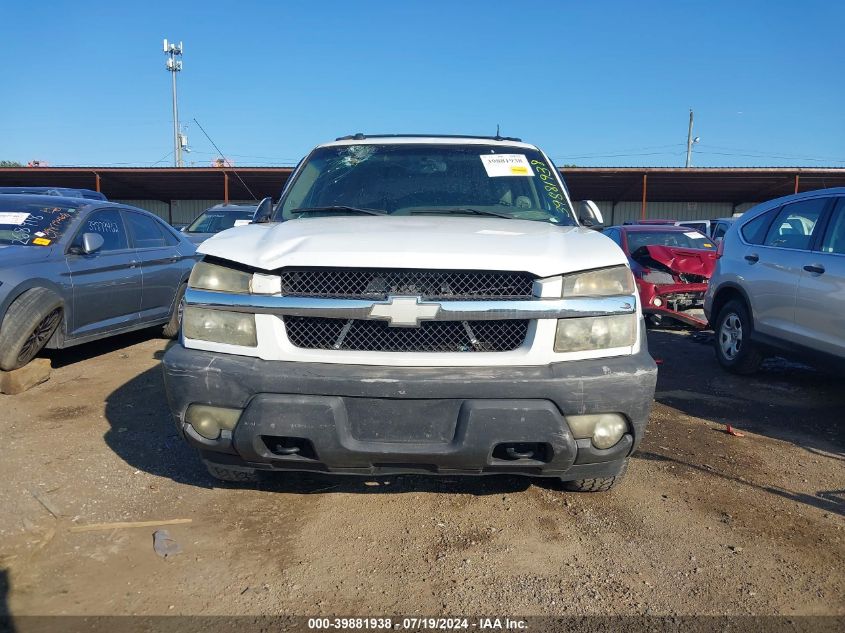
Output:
x,y
519,170
708,246
41,241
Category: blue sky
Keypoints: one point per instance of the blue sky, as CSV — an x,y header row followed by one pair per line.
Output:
x,y
593,83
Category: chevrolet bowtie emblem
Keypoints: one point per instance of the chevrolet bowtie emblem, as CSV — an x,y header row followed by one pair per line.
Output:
x,y
404,311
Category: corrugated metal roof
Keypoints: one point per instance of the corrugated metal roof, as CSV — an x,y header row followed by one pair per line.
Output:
x,y
703,184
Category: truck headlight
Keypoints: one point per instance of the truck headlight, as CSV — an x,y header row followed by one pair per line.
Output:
x,y
207,276
605,282
591,333
219,326
604,429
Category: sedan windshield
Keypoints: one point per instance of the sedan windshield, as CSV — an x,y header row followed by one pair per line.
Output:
x,y
678,239
421,179
214,221
33,224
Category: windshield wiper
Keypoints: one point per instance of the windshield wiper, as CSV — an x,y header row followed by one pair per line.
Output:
x,y
450,211
337,209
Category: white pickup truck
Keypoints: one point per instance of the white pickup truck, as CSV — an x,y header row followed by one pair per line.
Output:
x,y
415,304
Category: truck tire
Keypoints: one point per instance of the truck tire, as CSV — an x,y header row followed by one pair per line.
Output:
x,y
734,349
171,329
233,474
599,484
29,323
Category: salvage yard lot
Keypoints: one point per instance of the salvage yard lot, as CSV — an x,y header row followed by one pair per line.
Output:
x,y
705,523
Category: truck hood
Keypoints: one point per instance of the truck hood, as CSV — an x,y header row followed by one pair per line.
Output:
x,y
689,261
456,243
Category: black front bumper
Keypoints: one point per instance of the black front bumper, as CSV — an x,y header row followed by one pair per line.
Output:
x,y
366,419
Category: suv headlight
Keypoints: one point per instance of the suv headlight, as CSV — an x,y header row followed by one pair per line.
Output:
x,y
207,276
605,282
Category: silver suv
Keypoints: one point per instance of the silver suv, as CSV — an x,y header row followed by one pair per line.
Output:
x,y
779,286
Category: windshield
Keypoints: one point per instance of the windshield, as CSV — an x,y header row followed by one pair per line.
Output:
x,y
215,220
34,224
411,179
678,239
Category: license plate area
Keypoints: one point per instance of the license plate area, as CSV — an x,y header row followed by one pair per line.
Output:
x,y
388,420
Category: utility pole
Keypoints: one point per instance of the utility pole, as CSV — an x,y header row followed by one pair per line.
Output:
x,y
174,65
690,140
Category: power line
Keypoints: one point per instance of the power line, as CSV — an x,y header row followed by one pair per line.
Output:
x,y
222,154
559,158
773,157
775,154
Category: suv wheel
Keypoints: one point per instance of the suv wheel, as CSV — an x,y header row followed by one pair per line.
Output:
x,y
734,349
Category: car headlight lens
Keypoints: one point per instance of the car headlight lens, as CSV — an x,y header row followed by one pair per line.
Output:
x,y
219,326
605,282
591,333
207,276
208,421
604,429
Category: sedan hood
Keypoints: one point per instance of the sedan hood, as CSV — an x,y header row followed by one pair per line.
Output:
x,y
456,243
197,238
13,255
689,261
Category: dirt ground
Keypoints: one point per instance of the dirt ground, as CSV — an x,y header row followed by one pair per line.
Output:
x,y
705,523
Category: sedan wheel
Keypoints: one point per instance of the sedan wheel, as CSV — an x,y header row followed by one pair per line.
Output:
x,y
39,336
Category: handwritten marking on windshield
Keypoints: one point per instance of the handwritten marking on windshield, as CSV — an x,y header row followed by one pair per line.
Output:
x,y
549,181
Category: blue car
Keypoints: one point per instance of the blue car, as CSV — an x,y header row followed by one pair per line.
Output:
x,y
74,270
66,192
218,218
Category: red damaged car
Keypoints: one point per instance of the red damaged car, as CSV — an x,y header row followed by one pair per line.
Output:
x,y
672,265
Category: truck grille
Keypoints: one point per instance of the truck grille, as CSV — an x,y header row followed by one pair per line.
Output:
x,y
432,336
430,285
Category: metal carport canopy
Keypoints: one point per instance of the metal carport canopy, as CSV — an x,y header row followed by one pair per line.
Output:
x,y
662,184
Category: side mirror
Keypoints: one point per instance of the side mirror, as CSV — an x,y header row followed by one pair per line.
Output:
x,y
92,242
590,214
263,212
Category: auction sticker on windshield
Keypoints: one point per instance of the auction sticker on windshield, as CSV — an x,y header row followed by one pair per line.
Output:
x,y
506,165
13,218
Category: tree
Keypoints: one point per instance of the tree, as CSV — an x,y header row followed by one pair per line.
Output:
x,y
10,163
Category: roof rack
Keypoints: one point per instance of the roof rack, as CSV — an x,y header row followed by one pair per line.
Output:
x,y
360,136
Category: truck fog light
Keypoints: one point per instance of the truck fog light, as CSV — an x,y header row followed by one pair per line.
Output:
x,y
657,301
219,326
604,429
590,333
208,421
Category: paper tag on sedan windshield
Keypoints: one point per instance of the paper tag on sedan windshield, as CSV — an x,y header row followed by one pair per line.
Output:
x,y
242,222
506,165
13,217
696,236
